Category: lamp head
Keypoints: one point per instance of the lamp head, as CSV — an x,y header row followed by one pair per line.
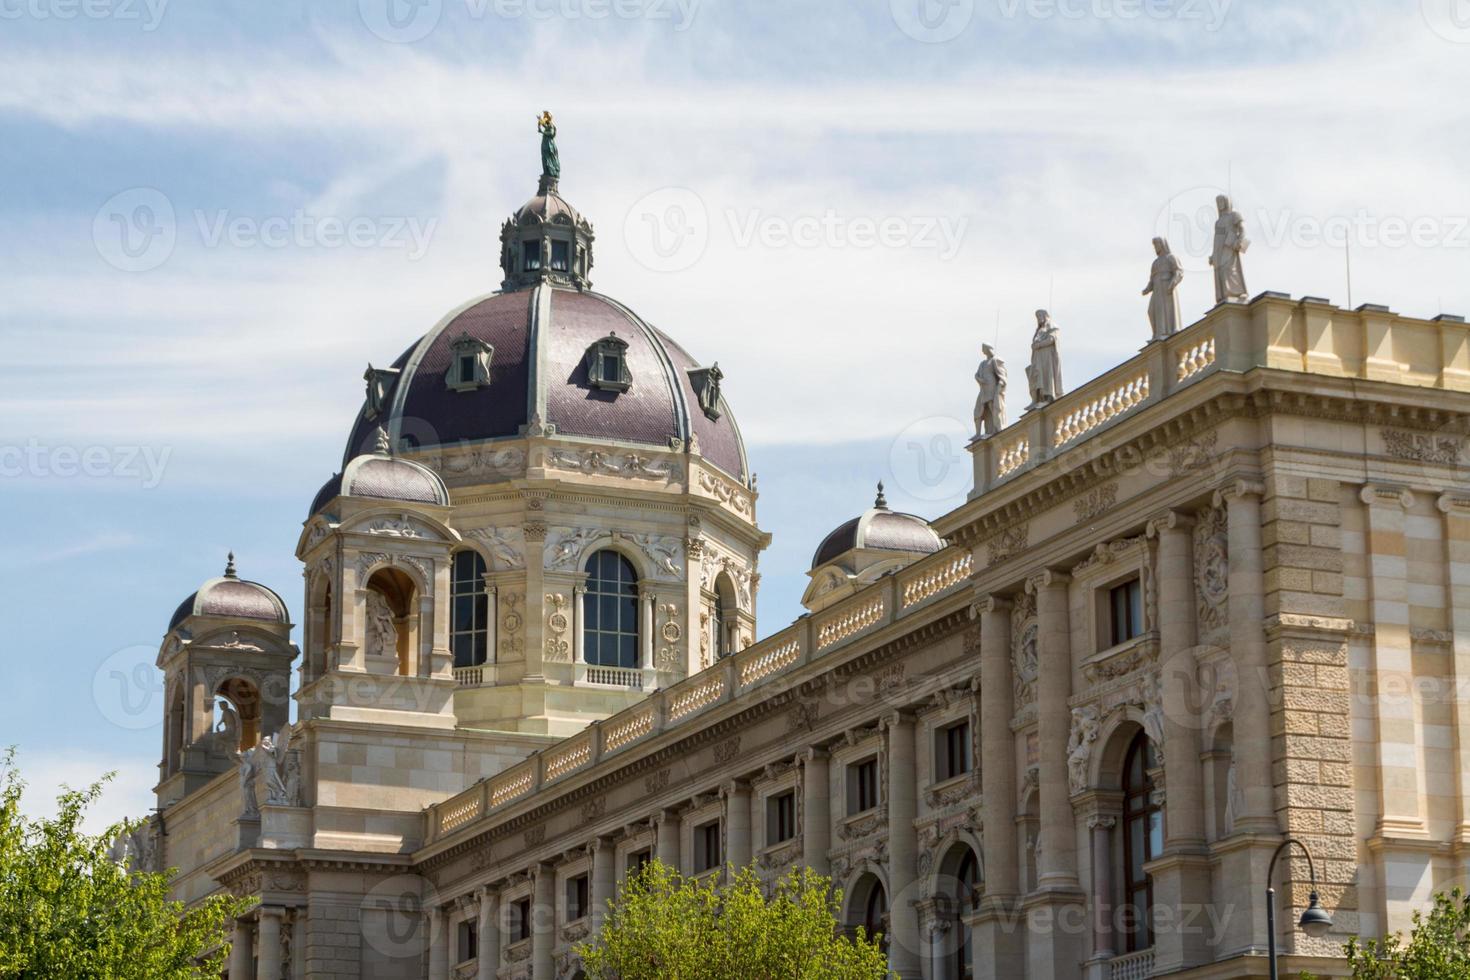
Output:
x,y
1315,921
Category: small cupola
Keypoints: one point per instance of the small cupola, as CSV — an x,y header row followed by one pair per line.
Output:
x,y
864,549
547,240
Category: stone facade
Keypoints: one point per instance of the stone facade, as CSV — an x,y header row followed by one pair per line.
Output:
x,y
1213,597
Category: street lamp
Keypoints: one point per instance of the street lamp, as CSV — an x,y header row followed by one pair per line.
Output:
x,y
1315,921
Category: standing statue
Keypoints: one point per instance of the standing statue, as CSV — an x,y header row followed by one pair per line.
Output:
x,y
249,767
1044,376
274,767
1230,245
550,159
1163,287
990,407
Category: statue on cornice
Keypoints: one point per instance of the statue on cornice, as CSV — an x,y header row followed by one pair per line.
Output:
x,y
550,159
1230,245
990,408
1163,291
1044,376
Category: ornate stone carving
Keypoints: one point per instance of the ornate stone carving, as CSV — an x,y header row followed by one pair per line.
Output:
x,y
557,624
632,466
476,464
889,679
725,492
512,619
564,547
728,750
657,782
1008,543
536,836
397,527
1025,665
593,809
1096,502
1086,725
507,546
1423,447
671,633
367,560
1194,455
382,627
803,715
1212,576
663,551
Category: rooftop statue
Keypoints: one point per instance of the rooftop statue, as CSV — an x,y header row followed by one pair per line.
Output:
x,y
1163,290
1230,245
1044,376
990,408
550,159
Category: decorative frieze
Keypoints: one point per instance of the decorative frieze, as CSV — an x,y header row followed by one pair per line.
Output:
x,y
1212,576
1423,447
1008,543
1096,502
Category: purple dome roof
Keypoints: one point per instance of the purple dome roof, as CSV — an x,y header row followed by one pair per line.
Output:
x,y
383,477
231,597
540,335
879,529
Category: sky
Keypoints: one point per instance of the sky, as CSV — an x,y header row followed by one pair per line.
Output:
x,y
214,215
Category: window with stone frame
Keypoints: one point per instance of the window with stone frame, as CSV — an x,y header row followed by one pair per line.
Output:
x,y
862,786
468,941
607,364
639,859
469,610
706,384
1143,840
578,901
1125,611
469,363
952,755
519,925
780,818
707,847
610,620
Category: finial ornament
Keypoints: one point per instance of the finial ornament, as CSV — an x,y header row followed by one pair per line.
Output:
x,y
881,502
1163,291
382,446
230,566
1044,376
550,159
1230,245
990,407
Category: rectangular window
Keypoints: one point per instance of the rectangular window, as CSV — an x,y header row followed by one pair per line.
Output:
x,y
560,255
862,786
638,860
1126,602
780,818
531,254
952,751
706,847
467,372
576,898
520,920
469,940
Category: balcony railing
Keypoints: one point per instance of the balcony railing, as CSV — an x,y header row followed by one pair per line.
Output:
x,y
885,602
1134,966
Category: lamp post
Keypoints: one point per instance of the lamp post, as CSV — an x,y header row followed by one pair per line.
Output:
x,y
1315,921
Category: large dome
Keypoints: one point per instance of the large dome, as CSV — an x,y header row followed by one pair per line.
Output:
x,y
537,342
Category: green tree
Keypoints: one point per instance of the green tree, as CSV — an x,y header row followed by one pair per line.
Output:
x,y
68,911
663,926
1438,947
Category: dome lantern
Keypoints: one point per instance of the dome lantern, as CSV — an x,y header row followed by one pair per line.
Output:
x,y
546,240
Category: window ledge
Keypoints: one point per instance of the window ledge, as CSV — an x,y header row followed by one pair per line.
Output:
x,y
952,790
1123,659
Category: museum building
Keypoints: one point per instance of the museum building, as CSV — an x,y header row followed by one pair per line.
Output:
x,y
1218,595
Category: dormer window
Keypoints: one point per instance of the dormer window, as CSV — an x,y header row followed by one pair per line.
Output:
x,y
379,382
706,382
607,364
561,255
469,363
531,255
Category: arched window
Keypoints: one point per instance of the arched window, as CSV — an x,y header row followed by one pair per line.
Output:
x,y
875,910
610,636
1143,839
967,887
725,621
468,609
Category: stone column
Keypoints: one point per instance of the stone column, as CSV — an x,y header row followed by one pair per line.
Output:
x,y
268,960
1057,914
298,945
816,811
579,624
903,852
666,839
543,922
603,875
492,624
438,945
737,824
1104,947
1247,606
1456,510
242,956
1399,779
489,952
645,628
999,952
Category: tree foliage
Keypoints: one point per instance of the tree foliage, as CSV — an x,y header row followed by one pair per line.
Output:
x,y
68,911
1438,947
663,926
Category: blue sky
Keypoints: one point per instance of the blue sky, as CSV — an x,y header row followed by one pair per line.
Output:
x,y
179,384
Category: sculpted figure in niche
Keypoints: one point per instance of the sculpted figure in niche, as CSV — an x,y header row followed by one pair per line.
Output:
x,y
1230,245
1163,291
1085,729
382,630
990,408
1044,376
